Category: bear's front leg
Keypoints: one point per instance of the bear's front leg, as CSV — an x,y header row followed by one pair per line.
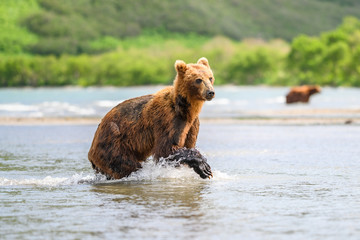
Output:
x,y
194,159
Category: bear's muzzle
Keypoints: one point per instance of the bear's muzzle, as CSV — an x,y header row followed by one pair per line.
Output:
x,y
210,94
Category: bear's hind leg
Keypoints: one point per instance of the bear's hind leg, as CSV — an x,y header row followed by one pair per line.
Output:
x,y
122,167
116,168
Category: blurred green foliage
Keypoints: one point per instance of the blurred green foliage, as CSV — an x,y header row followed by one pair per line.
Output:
x,y
13,37
253,67
152,63
121,43
331,59
94,26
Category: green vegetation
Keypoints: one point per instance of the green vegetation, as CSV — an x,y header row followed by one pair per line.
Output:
x,y
331,59
13,37
94,26
93,42
152,63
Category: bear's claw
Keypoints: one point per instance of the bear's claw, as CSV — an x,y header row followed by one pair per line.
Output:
x,y
194,160
200,167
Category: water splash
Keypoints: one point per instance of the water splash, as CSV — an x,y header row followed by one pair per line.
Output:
x,y
221,176
53,181
150,172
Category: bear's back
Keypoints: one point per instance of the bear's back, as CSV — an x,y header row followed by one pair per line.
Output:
x,y
129,110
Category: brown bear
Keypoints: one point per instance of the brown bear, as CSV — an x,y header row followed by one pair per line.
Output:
x,y
301,94
160,125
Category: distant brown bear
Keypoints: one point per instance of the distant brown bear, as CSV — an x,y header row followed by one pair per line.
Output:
x,y
301,94
157,125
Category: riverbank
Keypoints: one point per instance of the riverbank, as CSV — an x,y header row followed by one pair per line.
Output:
x,y
16,121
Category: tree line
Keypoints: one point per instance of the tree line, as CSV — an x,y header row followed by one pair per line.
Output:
x,y
332,58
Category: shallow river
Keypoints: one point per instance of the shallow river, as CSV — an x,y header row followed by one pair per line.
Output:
x,y
229,101
270,182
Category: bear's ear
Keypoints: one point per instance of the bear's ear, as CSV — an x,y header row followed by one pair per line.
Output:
x,y
180,66
204,62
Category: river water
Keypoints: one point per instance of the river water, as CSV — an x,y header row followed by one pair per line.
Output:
x,y
230,101
270,182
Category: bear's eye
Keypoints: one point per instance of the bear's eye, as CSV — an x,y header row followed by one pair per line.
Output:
x,y
211,79
198,81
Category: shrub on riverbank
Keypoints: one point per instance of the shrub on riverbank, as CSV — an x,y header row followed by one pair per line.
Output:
x,y
330,59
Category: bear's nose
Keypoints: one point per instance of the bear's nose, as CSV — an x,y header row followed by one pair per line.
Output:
x,y
210,94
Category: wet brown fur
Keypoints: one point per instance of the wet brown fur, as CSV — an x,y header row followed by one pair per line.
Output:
x,y
152,125
301,94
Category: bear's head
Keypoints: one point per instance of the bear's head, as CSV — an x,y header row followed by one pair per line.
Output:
x,y
194,81
314,89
